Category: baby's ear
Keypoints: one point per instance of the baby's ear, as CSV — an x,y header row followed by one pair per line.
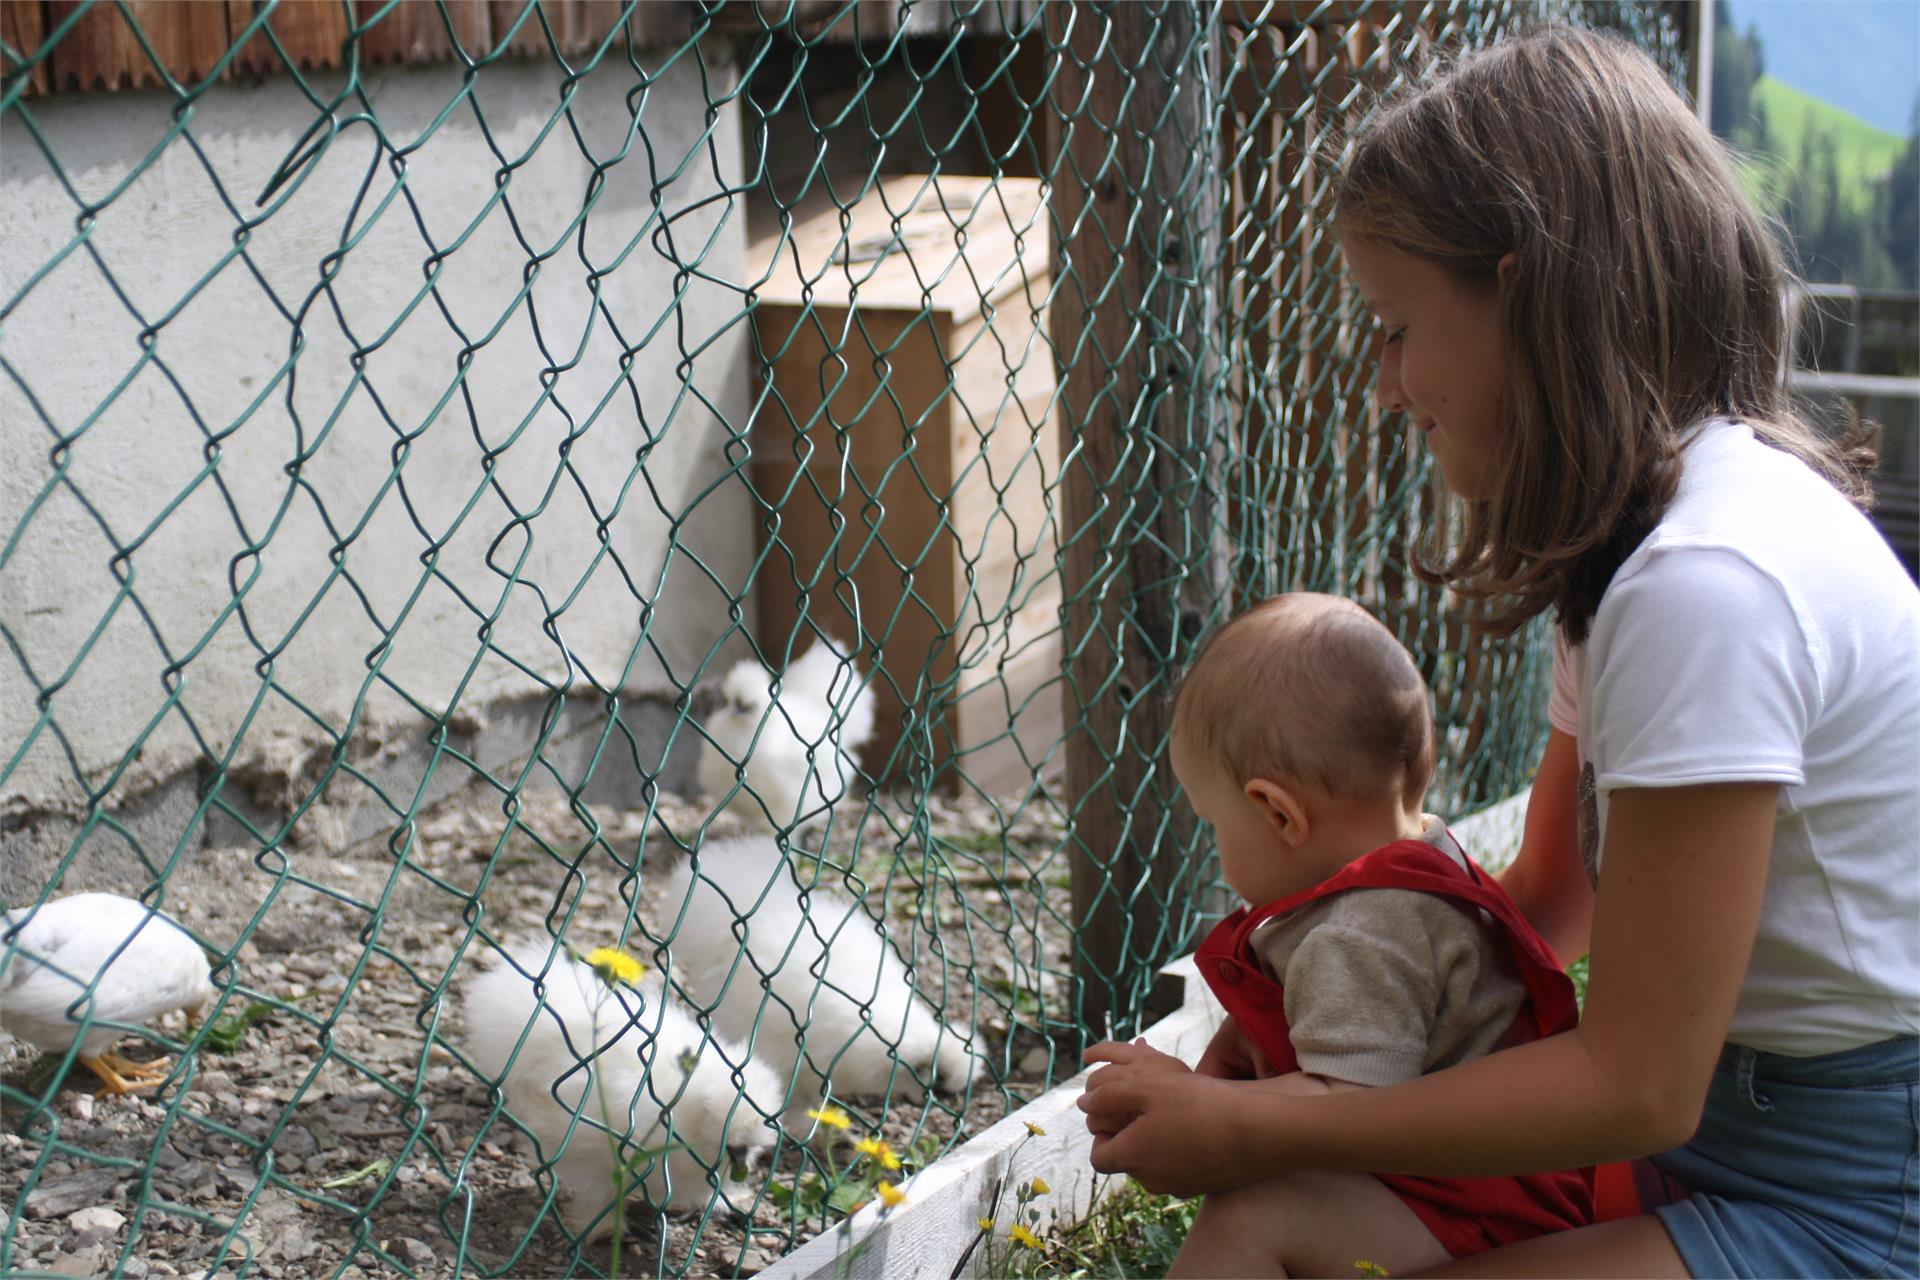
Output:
x,y
1281,805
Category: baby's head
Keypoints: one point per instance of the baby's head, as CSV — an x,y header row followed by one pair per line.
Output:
x,y
1303,733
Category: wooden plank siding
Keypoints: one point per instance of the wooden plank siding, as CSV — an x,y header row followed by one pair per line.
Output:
x,y
188,38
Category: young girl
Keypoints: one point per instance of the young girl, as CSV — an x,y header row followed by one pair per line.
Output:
x,y
1584,320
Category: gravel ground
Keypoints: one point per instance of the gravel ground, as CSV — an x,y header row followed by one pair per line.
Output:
x,y
343,1137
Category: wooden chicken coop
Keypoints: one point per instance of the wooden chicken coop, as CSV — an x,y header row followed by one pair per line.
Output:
x,y
907,460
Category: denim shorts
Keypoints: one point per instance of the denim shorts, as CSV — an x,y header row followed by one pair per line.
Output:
x,y
1802,1166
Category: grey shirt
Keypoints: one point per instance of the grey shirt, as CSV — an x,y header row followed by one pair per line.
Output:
x,y
1383,985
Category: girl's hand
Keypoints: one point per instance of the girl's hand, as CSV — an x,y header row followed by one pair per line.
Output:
x,y
1232,1056
1172,1131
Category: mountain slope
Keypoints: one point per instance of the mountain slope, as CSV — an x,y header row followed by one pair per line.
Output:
x,y
1861,55
1862,153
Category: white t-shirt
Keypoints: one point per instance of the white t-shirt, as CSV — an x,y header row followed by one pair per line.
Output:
x,y
1764,632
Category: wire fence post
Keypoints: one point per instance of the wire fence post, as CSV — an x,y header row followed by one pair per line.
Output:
x,y
1137,197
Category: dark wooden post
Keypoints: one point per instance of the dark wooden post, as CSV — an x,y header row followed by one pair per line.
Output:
x,y
1136,194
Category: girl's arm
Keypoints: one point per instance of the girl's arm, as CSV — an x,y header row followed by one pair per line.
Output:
x,y
1673,927
1548,880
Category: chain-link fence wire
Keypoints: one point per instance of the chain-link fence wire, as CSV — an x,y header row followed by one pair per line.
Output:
x,y
434,426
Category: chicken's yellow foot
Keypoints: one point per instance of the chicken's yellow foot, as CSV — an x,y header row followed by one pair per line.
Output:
x,y
123,1076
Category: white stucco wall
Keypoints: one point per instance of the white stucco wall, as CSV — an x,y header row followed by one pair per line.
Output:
x,y
223,365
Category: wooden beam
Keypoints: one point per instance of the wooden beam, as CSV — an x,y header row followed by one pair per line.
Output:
x,y
1137,202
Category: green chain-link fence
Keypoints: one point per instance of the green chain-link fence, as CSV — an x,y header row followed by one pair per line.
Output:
x,y
417,413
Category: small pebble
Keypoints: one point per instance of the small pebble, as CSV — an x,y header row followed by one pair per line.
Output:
x,y
297,1140
95,1223
56,1197
311,963
87,1262
295,1245
413,1252
81,1106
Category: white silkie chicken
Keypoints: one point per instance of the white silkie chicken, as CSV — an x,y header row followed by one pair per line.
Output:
x,y
657,1081
140,964
833,981
796,752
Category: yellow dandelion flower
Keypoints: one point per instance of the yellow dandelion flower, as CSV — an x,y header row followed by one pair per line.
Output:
x,y
1034,1129
985,1224
1040,1186
1023,1236
891,1194
615,965
832,1117
878,1151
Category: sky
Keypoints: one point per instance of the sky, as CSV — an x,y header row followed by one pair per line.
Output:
x,y
1862,56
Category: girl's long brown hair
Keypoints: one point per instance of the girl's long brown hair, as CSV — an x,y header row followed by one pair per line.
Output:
x,y
1646,295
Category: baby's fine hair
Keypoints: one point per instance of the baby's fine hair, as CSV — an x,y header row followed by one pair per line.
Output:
x,y
1642,293
1310,688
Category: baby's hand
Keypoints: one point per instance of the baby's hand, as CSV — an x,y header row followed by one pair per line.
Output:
x,y
1166,1126
1142,1058
1139,1055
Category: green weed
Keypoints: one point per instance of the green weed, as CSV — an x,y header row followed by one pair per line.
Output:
x,y
1130,1233
226,1035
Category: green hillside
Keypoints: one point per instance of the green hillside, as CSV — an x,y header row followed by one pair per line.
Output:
x,y
1863,153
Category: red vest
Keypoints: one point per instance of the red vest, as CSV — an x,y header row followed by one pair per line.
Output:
x,y
1466,1215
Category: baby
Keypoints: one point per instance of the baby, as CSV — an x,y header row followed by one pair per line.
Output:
x,y
1372,949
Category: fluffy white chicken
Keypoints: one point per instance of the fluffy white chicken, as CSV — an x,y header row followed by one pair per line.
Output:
x,y
831,980
796,752
655,1078
140,964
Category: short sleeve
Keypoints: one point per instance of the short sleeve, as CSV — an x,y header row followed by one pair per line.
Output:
x,y
1362,994
1702,673
1563,703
